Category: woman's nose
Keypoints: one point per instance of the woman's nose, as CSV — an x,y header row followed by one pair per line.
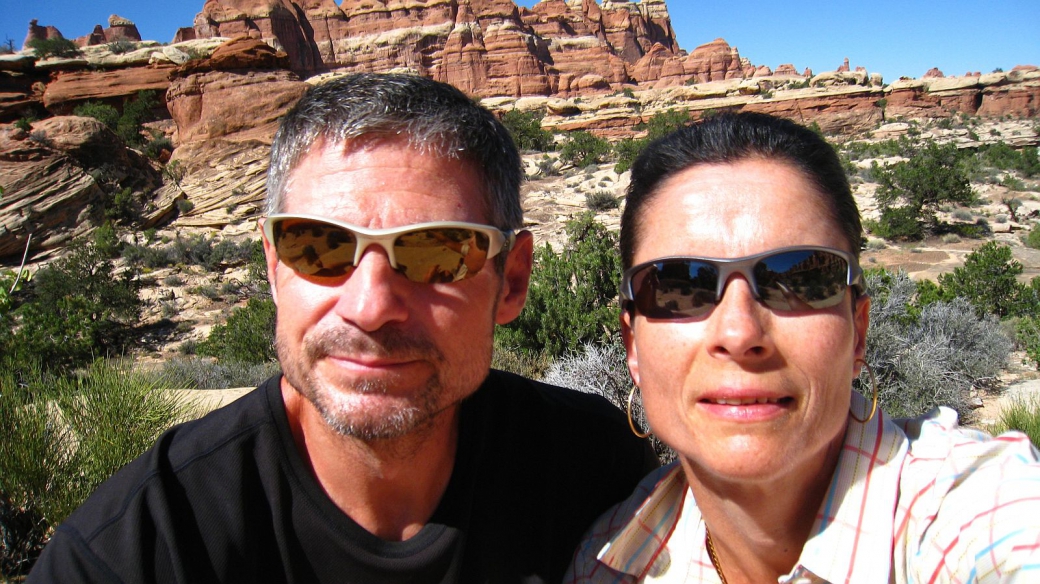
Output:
x,y
737,326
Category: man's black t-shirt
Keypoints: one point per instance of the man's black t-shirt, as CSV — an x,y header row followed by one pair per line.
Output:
x,y
227,498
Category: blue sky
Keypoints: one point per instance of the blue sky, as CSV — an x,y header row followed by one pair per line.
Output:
x,y
892,37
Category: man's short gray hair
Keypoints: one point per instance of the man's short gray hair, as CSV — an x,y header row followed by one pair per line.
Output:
x,y
435,117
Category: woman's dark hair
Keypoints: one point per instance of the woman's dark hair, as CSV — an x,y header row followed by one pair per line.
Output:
x,y
728,138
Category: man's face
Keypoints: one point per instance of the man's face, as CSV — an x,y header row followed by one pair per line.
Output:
x,y
377,354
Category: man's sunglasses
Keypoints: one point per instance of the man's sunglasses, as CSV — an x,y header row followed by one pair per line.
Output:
x,y
443,251
786,279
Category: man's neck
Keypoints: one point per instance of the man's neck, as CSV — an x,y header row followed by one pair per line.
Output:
x,y
389,487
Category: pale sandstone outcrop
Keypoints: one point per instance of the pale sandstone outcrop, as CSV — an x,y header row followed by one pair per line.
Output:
x,y
57,179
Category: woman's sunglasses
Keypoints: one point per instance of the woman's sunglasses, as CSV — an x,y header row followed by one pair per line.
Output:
x,y
428,253
787,279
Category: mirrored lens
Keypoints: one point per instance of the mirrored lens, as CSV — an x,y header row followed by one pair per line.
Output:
x,y
313,248
675,289
801,280
439,255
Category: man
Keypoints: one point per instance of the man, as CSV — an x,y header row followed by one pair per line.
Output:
x,y
387,452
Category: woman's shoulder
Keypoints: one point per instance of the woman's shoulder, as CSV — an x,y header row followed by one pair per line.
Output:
x,y
966,499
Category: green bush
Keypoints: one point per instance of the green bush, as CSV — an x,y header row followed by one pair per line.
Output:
x,y
600,201
246,337
897,223
63,436
934,175
582,149
1027,334
658,126
1033,239
128,124
156,146
573,295
989,281
58,47
527,132
925,355
122,46
78,309
1022,414
102,112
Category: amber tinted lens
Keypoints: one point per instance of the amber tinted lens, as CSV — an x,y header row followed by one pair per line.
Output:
x,y
314,248
675,289
801,279
437,255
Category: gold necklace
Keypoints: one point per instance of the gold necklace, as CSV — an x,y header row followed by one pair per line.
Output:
x,y
714,556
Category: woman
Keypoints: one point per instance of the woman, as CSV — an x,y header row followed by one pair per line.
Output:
x,y
745,323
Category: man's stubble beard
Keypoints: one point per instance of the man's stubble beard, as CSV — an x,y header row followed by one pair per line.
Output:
x,y
410,417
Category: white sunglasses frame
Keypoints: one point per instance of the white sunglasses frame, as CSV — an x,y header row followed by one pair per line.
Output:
x,y
498,240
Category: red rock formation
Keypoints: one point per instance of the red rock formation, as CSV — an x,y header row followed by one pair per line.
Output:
x,y
714,61
120,28
184,33
242,89
786,70
71,88
844,66
40,32
933,73
485,47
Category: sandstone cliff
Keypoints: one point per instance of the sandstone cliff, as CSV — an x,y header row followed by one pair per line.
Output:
x,y
604,67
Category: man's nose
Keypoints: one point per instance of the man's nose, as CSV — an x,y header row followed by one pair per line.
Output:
x,y
373,295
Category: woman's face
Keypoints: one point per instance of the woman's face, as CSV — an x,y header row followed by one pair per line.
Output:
x,y
745,392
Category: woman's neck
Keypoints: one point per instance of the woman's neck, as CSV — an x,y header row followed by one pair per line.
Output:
x,y
759,528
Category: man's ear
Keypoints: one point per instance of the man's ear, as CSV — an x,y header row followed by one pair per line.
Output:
x,y
516,276
271,258
630,345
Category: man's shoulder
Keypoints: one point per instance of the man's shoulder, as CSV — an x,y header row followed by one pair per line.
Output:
x,y
551,403
186,456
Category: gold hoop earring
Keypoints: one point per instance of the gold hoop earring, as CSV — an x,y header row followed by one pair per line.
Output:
x,y
628,411
873,383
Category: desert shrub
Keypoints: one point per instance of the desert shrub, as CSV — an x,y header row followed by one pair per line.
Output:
x,y
196,373
526,130
1027,335
989,281
122,46
57,47
626,151
572,298
896,223
602,369
1022,414
156,146
930,355
194,250
41,138
63,437
128,123
25,122
582,149
78,309
1004,157
658,126
532,365
600,201
932,176
246,337
1033,239
102,112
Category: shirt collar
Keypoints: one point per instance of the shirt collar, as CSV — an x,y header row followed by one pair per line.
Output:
x,y
851,539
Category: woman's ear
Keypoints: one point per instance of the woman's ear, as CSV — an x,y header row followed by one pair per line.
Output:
x,y
861,322
630,346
